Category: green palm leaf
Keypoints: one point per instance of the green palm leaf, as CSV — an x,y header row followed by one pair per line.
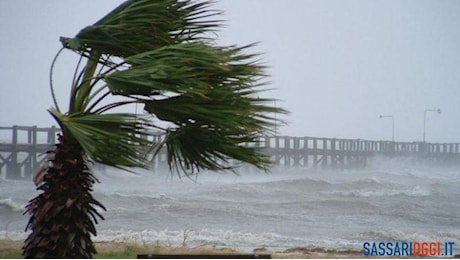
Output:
x,y
111,139
143,25
186,68
212,150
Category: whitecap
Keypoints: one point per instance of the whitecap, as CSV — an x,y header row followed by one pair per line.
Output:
x,y
10,204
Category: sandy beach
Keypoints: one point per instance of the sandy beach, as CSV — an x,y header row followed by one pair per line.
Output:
x,y
12,249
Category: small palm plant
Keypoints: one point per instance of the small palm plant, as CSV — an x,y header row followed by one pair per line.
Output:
x,y
161,55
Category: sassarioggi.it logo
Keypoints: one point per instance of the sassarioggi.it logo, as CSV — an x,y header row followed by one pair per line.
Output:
x,y
408,248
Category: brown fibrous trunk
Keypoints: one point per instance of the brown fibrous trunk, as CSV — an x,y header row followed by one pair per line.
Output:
x,y
63,215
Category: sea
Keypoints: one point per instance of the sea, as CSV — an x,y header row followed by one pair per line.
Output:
x,y
282,209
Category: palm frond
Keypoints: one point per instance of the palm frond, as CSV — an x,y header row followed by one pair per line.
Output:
x,y
193,68
212,101
192,148
112,139
220,109
137,26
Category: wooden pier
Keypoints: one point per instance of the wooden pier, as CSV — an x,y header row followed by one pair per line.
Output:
x,y
21,147
353,153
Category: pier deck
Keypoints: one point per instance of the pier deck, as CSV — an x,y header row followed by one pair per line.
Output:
x,y
21,147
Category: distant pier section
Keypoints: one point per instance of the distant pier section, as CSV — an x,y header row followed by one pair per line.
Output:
x,y
22,148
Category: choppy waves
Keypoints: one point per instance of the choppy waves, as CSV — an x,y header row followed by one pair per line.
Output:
x,y
292,208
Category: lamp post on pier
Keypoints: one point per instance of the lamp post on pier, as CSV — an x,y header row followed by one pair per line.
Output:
x,y
424,120
274,101
392,126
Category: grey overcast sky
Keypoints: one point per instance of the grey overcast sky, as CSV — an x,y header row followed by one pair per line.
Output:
x,y
336,65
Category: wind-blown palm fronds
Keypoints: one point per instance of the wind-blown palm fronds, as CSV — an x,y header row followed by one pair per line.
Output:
x,y
205,88
143,25
161,55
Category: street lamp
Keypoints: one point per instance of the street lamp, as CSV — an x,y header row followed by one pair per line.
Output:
x,y
274,101
424,119
392,126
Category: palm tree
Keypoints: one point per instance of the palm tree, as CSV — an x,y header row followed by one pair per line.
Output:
x,y
162,55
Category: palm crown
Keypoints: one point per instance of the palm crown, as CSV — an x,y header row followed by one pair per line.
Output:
x,y
160,54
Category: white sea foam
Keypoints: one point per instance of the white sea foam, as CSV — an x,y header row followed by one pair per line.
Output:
x,y
13,235
10,204
413,192
412,236
224,238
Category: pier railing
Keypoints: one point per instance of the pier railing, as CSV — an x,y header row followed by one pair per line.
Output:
x,y
21,146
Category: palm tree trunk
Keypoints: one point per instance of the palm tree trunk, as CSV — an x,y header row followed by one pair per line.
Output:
x,y
63,215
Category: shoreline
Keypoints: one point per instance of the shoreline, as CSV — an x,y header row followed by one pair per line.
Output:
x,y
12,249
